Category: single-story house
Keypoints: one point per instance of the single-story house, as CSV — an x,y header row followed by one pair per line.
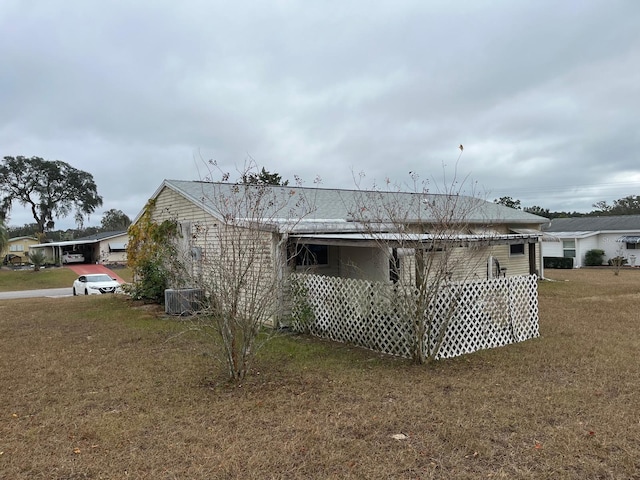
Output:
x,y
352,261
334,237
108,248
616,235
17,250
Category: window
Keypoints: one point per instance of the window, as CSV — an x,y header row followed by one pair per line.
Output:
x,y
631,246
117,247
16,248
516,249
569,248
309,255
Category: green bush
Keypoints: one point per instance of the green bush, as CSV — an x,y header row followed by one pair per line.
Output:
x,y
557,262
594,258
151,283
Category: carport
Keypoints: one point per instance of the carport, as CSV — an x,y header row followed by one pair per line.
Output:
x,y
55,250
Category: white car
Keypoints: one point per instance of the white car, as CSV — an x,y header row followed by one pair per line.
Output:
x,y
95,284
72,257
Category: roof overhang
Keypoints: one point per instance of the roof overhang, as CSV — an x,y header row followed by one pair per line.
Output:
x,y
412,240
557,236
531,231
66,243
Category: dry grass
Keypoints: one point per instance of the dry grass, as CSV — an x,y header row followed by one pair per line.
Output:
x,y
94,389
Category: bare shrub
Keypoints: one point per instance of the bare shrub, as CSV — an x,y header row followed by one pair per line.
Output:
x,y
425,237
240,259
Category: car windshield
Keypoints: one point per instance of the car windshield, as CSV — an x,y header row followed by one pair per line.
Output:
x,y
99,278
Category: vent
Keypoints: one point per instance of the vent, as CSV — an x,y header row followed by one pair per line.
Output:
x,y
183,301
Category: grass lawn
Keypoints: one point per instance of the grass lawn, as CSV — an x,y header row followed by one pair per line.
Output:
x,y
94,388
56,277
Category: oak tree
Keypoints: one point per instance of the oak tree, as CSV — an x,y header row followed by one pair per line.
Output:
x,y
114,220
50,188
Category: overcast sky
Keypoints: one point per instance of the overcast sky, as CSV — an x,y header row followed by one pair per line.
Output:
x,y
544,95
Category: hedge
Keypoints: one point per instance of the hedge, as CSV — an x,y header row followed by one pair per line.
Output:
x,y
557,262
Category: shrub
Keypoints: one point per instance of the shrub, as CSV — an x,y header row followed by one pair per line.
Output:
x,y
37,258
617,261
594,258
558,262
152,281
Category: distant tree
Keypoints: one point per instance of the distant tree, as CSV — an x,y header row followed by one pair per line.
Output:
x,y
4,238
52,189
536,210
601,207
263,177
629,205
113,220
508,202
27,230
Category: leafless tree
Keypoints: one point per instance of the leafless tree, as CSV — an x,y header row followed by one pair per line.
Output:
x,y
239,260
426,237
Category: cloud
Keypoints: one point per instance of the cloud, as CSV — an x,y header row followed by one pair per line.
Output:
x,y
542,95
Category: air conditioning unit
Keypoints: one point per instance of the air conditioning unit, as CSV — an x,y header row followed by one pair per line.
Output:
x,y
183,301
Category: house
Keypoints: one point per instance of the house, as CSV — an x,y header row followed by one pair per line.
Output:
x,y
346,264
321,230
17,250
616,235
109,248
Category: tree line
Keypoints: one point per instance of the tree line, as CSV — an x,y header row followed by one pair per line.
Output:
x,y
629,205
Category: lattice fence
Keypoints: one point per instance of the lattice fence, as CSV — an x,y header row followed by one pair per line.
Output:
x,y
463,317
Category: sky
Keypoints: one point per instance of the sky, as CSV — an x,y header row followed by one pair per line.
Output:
x,y
544,96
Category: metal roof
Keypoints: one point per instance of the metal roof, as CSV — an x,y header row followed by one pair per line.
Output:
x,y
339,210
593,224
95,238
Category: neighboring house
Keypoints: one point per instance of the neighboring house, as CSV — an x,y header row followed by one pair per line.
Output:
x,y
109,248
17,249
330,241
616,235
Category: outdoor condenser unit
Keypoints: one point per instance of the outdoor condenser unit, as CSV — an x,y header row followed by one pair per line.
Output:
x,y
183,301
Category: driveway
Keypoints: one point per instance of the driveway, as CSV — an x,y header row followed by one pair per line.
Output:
x,y
88,268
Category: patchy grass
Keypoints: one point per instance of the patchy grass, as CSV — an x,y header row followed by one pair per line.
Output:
x,y
93,388
124,273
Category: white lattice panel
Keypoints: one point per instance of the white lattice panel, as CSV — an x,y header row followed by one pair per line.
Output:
x,y
473,315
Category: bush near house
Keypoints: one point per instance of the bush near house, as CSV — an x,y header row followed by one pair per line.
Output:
x,y
594,258
557,262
